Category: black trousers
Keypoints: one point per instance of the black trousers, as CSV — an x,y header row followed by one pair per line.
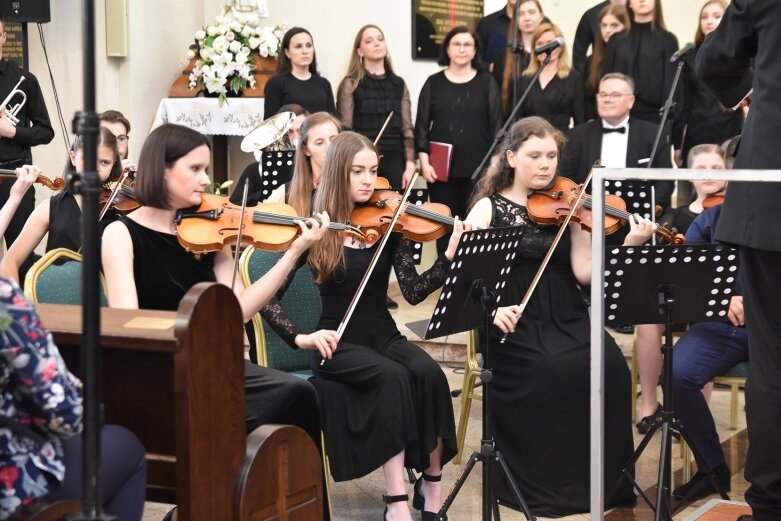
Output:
x,y
761,272
456,193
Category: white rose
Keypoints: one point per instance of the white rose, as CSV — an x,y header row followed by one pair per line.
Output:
x,y
223,28
254,42
236,26
212,30
246,31
200,34
234,46
241,58
220,45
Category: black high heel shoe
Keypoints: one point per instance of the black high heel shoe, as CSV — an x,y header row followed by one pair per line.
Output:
x,y
419,502
392,499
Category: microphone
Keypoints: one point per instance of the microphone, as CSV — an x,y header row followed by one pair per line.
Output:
x,y
548,47
682,52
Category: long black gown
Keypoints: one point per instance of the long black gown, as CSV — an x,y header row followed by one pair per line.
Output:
x,y
541,382
379,394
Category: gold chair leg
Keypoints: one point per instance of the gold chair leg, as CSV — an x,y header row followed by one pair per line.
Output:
x,y
686,457
634,376
733,416
326,474
466,405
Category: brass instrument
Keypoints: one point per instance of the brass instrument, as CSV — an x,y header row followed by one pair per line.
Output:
x,y
271,135
13,111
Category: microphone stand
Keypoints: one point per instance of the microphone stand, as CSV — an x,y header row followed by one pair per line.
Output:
x,y
87,124
516,48
666,110
511,117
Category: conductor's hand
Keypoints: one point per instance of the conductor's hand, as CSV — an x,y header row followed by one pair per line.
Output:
x,y
312,230
428,173
735,312
25,177
640,230
7,129
324,341
459,227
507,317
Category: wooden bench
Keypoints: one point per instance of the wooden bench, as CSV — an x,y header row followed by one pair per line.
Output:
x,y
176,380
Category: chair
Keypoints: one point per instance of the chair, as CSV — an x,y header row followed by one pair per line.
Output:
x,y
55,278
471,374
301,301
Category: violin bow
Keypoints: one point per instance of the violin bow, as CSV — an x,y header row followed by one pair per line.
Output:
x,y
112,196
241,230
384,126
354,303
556,240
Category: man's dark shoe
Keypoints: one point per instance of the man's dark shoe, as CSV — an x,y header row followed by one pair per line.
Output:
x,y
699,486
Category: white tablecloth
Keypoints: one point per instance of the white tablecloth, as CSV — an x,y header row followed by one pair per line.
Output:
x,y
236,117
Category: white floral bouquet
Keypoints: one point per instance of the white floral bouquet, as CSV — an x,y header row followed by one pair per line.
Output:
x,y
223,54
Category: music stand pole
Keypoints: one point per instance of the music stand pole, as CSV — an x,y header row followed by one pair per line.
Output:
x,y
87,125
668,104
510,118
515,48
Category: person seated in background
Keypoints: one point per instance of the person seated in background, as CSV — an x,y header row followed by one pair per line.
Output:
x,y
706,350
119,125
41,416
251,174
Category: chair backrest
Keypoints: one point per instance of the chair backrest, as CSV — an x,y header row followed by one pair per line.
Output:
x,y
56,279
302,303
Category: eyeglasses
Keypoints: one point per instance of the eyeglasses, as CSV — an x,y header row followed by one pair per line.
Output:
x,y
122,138
612,96
462,45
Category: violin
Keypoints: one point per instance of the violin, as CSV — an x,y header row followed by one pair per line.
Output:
x,y
58,183
552,205
121,196
712,200
420,223
216,222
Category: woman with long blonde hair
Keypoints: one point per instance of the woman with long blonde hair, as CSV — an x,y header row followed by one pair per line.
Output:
x,y
557,95
387,403
369,92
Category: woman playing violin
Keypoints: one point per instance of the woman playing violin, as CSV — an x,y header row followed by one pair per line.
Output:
x,y
60,215
146,267
387,403
541,373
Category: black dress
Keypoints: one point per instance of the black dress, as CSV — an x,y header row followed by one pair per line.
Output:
x,y
65,222
379,394
561,101
314,94
163,273
541,382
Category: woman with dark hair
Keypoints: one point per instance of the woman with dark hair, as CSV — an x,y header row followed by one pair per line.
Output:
x,y
60,215
703,119
541,372
459,106
386,402
557,95
613,19
296,79
643,52
367,94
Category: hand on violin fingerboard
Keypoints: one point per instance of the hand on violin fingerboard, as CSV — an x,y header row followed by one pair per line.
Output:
x,y
640,231
312,230
459,227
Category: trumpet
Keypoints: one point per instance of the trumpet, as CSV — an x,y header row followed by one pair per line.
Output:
x,y
13,111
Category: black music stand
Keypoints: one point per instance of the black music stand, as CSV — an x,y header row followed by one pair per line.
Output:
x,y
667,284
276,168
636,194
468,300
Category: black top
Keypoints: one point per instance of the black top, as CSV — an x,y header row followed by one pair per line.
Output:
x,y
250,175
679,218
314,94
492,34
560,101
337,293
586,34
162,269
498,68
65,222
644,54
466,115
34,127
702,119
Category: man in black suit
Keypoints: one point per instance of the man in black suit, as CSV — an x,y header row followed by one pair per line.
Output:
x,y
749,31
616,139
492,32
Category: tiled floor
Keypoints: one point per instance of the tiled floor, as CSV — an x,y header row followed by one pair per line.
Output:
x,y
359,500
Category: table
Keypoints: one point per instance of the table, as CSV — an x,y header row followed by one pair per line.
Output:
x,y
236,117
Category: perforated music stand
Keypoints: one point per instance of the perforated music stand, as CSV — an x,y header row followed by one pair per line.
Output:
x,y
636,194
276,169
469,299
663,285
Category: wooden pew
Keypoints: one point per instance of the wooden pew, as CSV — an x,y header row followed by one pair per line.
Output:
x,y
177,381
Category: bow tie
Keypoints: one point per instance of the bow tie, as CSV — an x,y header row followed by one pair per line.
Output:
x,y
620,130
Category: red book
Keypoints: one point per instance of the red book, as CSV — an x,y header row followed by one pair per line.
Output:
x,y
439,156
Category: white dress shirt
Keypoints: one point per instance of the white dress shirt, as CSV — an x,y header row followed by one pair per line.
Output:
x,y
614,145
